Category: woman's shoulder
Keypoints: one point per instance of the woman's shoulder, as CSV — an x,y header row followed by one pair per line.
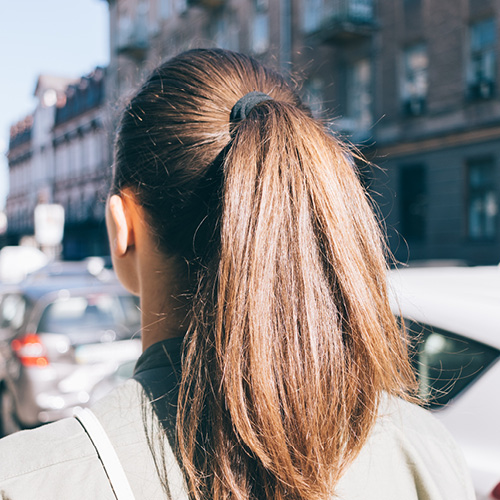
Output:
x,y
51,461
57,459
409,455
413,423
137,436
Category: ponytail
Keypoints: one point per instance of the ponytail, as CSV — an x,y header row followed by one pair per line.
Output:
x,y
281,384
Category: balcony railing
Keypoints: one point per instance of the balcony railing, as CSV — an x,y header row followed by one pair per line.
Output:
x,y
20,138
341,20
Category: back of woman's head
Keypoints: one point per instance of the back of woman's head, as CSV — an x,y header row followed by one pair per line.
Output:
x,y
291,341
173,135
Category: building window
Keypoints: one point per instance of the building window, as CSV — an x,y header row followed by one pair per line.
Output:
x,y
166,9
260,27
181,6
359,98
482,62
482,200
226,32
313,96
312,11
414,83
413,202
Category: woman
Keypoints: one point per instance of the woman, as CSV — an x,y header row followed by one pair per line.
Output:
x,y
273,367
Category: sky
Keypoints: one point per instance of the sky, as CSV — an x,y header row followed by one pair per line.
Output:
x,y
59,37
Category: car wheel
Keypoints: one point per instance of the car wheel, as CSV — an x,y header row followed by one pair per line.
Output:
x,y
8,421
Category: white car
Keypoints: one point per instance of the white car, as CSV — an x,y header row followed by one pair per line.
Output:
x,y
453,315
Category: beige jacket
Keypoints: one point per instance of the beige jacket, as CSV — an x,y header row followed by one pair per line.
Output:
x,y
409,456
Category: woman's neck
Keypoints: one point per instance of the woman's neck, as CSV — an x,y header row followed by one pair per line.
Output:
x,y
164,308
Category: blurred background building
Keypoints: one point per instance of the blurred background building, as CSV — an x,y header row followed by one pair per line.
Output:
x,y
436,98
61,154
82,159
413,83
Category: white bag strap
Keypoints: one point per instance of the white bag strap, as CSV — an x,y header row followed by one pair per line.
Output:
x,y
107,454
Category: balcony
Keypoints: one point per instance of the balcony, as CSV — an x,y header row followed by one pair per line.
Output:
x,y
340,21
133,39
20,138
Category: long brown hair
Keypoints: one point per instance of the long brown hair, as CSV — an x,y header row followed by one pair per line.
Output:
x,y
291,341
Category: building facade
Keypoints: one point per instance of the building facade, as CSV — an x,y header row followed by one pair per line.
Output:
x,y
438,129
20,203
82,166
145,32
61,155
328,46
30,158
412,83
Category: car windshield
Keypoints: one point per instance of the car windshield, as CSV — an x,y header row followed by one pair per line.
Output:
x,y
89,313
446,363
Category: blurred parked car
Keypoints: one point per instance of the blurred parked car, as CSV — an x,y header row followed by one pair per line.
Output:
x,y
91,267
17,261
453,317
59,337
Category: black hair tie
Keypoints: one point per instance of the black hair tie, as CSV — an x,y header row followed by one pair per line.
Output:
x,y
243,107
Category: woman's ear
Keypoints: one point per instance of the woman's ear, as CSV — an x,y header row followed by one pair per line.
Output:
x,y
120,226
122,223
